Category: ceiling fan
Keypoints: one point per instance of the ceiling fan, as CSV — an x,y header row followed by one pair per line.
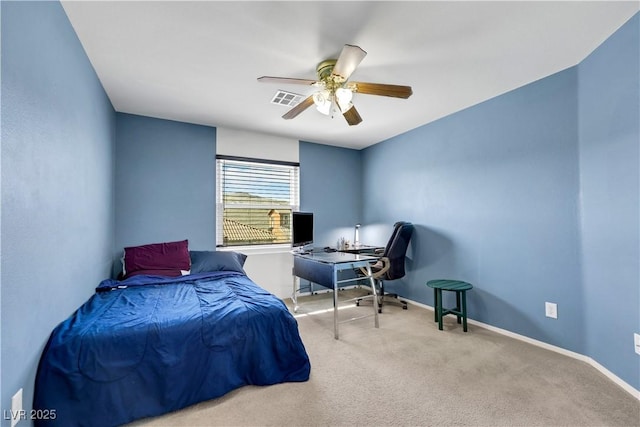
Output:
x,y
335,91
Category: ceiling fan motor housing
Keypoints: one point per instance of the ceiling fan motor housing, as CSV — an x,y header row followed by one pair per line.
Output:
x,y
325,68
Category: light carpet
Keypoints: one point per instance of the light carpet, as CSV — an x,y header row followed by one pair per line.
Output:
x,y
408,373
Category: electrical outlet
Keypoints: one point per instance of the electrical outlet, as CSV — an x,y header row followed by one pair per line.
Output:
x,y
16,408
636,342
551,310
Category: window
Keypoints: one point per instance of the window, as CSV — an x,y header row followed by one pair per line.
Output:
x,y
255,199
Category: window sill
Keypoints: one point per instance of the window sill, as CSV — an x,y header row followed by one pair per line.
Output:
x,y
258,250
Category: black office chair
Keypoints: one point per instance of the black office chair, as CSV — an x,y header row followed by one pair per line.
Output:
x,y
390,264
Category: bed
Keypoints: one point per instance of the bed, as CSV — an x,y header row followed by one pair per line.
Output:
x,y
153,343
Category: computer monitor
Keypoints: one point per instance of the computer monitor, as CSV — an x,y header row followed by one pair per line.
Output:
x,y
302,226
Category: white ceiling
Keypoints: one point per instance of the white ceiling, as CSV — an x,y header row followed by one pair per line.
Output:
x,y
198,62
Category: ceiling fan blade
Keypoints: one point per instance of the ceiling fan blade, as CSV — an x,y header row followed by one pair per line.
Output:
x,y
286,80
349,59
395,91
352,116
306,103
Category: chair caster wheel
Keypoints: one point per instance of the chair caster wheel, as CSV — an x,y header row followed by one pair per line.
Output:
x,y
357,303
404,307
379,310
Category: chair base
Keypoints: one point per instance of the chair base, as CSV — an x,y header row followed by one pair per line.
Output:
x,y
396,300
382,301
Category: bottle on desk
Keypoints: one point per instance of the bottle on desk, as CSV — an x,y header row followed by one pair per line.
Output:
x,y
343,244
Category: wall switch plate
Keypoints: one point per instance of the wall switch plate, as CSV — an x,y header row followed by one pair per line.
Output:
x,y
551,310
636,342
16,408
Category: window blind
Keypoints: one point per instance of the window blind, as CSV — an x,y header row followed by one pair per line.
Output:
x,y
255,199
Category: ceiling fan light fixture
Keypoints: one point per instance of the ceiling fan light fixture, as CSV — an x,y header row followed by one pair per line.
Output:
x,y
345,107
322,99
343,98
344,95
324,108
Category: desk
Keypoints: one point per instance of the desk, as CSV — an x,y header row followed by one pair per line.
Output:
x,y
361,249
323,267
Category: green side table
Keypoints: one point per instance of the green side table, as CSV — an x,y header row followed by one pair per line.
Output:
x,y
457,286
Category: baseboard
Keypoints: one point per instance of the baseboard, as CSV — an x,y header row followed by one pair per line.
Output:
x,y
627,387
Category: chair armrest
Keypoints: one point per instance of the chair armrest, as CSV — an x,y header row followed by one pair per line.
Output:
x,y
386,264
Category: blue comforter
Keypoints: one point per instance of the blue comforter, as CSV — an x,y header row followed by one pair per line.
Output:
x,y
149,345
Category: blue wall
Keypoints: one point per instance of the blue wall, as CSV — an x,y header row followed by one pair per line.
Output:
x,y
58,141
531,196
165,182
609,93
492,191
331,187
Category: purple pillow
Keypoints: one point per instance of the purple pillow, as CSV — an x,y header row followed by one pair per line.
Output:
x,y
163,259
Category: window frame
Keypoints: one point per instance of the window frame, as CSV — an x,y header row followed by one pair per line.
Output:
x,y
294,199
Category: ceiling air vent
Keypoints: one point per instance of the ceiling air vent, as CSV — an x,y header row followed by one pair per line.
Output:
x,y
287,99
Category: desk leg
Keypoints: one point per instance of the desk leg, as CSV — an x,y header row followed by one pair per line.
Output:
x,y
294,295
375,296
335,303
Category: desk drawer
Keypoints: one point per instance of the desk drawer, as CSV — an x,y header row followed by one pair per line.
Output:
x,y
313,271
